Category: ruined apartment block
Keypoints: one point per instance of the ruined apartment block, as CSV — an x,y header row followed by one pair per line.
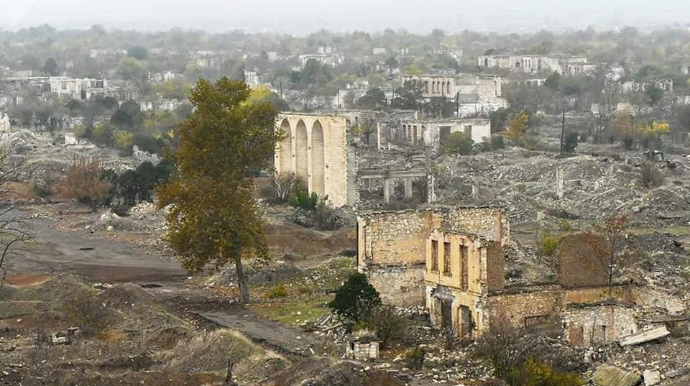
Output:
x,y
316,149
452,261
433,132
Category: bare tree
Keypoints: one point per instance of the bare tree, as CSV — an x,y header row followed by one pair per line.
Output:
x,y
613,229
13,229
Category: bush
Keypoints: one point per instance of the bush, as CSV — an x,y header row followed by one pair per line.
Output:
x,y
458,143
356,299
651,176
282,187
87,312
301,199
530,143
415,358
564,225
278,291
325,218
388,325
539,373
84,181
497,142
549,245
42,189
570,143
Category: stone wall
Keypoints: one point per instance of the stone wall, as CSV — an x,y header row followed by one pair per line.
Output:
x,y
394,238
587,326
495,266
399,286
486,222
582,260
517,309
316,149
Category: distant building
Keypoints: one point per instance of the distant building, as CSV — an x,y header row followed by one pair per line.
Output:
x,y
251,78
531,64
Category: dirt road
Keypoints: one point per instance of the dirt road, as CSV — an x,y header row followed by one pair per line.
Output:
x,y
96,259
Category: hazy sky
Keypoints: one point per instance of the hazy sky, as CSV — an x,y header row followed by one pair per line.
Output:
x,y
303,16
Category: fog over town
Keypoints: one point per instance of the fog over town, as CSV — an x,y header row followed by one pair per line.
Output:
x,y
344,193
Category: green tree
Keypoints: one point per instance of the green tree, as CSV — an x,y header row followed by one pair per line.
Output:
x,y
138,53
458,143
50,67
374,99
356,299
571,141
654,95
410,96
215,219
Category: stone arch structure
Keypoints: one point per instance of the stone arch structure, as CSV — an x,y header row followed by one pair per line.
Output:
x,y
317,160
285,152
318,151
301,151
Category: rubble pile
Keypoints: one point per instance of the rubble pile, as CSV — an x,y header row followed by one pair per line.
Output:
x,y
593,186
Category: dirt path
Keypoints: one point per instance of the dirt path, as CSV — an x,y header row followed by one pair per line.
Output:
x,y
98,260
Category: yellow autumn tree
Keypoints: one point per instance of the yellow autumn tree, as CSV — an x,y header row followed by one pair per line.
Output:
x,y
517,127
214,218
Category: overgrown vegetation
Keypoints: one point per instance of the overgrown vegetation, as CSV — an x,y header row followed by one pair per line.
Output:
x,y
356,300
85,182
650,175
88,313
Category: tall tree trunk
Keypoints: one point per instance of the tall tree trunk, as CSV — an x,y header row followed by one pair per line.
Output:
x,y
241,277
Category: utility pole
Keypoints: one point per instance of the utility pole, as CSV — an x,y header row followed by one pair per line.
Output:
x,y
338,98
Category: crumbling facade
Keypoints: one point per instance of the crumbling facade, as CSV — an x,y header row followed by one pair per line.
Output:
x,y
532,64
452,260
316,149
433,132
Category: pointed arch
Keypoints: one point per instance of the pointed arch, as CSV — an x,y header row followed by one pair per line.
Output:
x,y
285,151
318,165
301,151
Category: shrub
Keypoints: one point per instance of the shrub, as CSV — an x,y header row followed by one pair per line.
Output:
x,y
278,291
42,189
497,142
356,299
451,338
388,325
549,245
301,198
570,143
415,358
564,225
103,134
84,181
87,312
325,218
530,143
651,176
458,143
539,373
282,187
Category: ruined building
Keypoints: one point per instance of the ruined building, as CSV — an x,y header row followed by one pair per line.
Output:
x,y
433,132
474,94
452,260
316,149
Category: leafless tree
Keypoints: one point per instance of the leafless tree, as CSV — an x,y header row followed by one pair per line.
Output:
x,y
283,185
13,228
613,229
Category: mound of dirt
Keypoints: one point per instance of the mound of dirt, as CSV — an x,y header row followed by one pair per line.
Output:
x,y
326,372
260,272
210,351
166,338
126,296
